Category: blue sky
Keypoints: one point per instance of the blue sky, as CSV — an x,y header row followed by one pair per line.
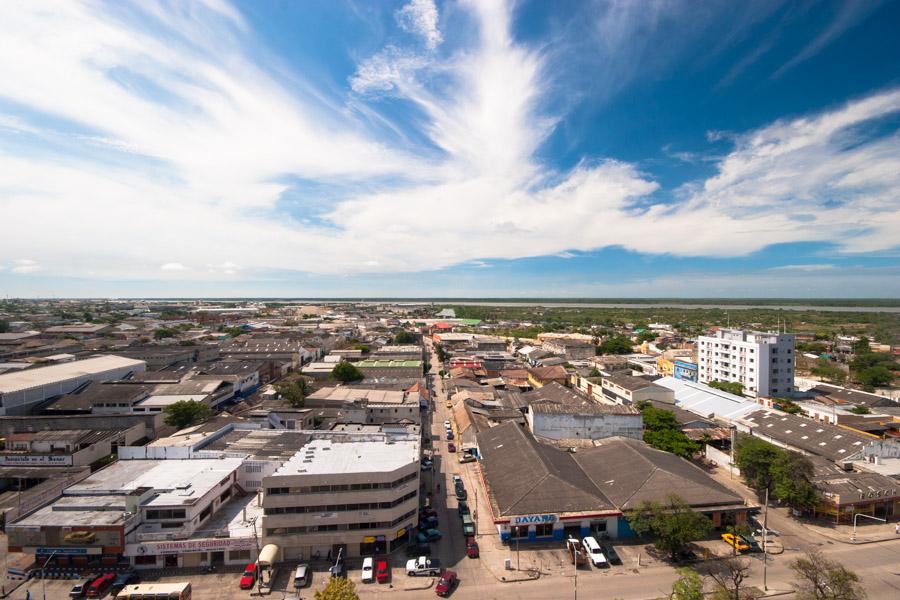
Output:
x,y
471,148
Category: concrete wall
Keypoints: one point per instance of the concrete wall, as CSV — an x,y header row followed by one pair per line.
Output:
x,y
591,427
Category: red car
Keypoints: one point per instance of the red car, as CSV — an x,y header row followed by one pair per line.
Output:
x,y
98,587
471,547
382,570
249,577
451,447
446,584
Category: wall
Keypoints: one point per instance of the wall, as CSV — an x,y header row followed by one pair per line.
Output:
x,y
595,427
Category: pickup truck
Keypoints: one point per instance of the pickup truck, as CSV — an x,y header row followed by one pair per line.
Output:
x,y
423,566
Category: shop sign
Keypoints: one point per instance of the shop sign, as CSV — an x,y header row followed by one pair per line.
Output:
x,y
35,459
534,520
67,550
188,546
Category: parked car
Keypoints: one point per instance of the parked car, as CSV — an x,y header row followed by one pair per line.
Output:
x,y
302,576
428,523
429,535
466,457
426,512
446,583
447,424
471,547
423,565
594,552
461,493
122,579
457,480
462,509
448,404
80,589
382,570
427,464
451,447
735,542
248,579
611,555
368,570
449,435
753,544
98,587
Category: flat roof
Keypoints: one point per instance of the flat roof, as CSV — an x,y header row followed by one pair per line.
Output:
x,y
79,510
176,481
341,455
707,401
32,378
380,364
350,394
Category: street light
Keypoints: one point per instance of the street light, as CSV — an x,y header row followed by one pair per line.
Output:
x,y
853,535
44,579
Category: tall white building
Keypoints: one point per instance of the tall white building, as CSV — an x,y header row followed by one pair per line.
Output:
x,y
762,362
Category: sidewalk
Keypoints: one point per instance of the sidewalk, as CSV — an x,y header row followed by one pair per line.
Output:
x,y
865,534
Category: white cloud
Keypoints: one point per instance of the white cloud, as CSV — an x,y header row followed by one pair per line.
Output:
x,y
421,17
25,265
474,192
811,268
173,266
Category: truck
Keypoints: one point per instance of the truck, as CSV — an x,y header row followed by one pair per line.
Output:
x,y
423,566
576,552
468,525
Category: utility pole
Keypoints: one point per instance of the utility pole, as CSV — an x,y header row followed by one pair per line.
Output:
x,y
518,532
766,543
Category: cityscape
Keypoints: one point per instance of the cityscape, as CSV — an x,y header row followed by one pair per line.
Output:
x,y
478,299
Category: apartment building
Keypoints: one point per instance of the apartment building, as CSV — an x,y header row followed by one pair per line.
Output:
x,y
762,362
356,493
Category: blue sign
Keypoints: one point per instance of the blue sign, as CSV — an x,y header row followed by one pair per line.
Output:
x,y
685,370
62,550
534,519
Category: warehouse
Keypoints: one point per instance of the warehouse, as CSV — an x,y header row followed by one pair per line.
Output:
x,y
21,391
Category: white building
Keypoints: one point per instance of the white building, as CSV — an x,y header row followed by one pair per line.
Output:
x,y
22,390
762,362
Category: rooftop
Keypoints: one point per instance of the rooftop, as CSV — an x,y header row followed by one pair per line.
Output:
x,y
32,378
352,394
381,364
707,401
347,454
829,441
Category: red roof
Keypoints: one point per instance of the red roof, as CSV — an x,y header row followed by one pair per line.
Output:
x,y
442,326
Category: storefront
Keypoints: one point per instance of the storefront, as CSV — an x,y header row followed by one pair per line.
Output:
x,y
192,553
540,528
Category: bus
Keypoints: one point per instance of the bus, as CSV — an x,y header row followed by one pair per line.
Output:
x,y
156,591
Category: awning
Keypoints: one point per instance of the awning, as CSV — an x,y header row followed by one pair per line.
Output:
x,y
267,555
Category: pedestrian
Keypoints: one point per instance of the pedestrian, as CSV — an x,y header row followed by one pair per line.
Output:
x,y
897,528
439,491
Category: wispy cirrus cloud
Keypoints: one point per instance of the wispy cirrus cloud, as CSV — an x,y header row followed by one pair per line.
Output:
x,y
201,141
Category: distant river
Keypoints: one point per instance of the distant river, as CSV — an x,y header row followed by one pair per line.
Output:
x,y
866,309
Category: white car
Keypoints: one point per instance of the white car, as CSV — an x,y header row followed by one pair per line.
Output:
x,y
594,552
368,570
447,424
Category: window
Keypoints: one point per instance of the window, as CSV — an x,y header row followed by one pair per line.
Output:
x,y
242,555
544,530
166,514
172,524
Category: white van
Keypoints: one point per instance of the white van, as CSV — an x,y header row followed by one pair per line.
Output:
x,y
301,576
368,570
594,552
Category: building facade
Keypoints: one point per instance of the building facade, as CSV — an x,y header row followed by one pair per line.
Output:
x,y
762,362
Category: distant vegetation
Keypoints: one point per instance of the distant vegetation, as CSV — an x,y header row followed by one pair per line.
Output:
x,y
346,372
186,412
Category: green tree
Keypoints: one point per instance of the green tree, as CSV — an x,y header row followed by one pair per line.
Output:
x,y
754,458
872,377
791,475
293,391
646,336
829,372
186,412
672,523
362,347
441,353
663,432
688,586
404,337
861,346
164,332
732,387
595,372
819,578
4,326
346,372
861,410
617,344
338,588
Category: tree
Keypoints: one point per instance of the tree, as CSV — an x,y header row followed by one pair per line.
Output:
x,y
617,344
861,410
689,586
673,524
829,372
663,432
4,326
819,578
441,353
646,336
754,458
791,475
872,377
186,412
728,578
595,372
861,346
404,337
164,332
732,387
293,391
346,372
338,588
